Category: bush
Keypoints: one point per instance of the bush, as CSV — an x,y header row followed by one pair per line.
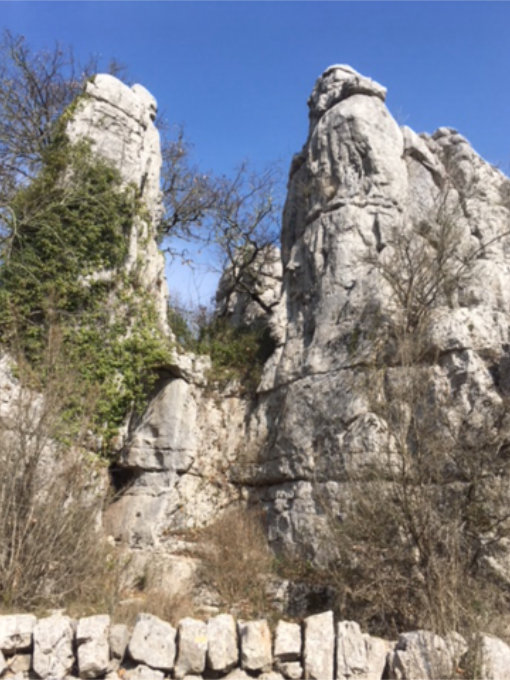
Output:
x,y
237,352
51,495
66,243
236,559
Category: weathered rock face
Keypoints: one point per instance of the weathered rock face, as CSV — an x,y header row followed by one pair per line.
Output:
x,y
175,461
119,122
361,190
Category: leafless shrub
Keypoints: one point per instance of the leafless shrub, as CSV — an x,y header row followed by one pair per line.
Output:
x,y
426,518
51,493
236,559
35,88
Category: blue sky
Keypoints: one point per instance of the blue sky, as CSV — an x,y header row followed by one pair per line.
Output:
x,y
237,74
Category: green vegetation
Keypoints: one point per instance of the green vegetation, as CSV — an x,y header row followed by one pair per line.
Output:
x,y
62,259
238,353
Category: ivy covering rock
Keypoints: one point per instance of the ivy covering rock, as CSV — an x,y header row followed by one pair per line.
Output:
x,y
63,267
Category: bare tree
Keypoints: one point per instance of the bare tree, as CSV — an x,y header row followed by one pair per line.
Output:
x,y
246,231
236,218
189,195
427,519
35,89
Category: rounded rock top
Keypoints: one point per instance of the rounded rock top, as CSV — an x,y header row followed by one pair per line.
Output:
x,y
135,101
338,82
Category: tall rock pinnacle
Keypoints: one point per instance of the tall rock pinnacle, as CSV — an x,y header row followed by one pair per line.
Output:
x,y
361,189
119,123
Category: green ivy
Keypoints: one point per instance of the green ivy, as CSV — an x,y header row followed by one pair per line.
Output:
x,y
237,352
62,264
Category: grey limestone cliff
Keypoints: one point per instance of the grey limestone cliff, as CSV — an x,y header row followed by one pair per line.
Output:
x,y
361,192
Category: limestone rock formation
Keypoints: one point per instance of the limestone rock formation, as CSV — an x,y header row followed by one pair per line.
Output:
x,y
177,453
363,195
361,191
119,123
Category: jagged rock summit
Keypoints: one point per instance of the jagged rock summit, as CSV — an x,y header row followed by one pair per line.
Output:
x,y
336,83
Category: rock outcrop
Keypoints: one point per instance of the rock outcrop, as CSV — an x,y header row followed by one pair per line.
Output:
x,y
118,121
173,468
387,235
362,193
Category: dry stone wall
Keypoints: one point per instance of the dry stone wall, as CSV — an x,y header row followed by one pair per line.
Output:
x,y
57,647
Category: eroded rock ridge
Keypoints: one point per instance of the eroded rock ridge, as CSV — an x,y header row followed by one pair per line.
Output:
x,y
361,191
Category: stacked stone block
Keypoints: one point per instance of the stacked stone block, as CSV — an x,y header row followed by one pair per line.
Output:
x,y
59,648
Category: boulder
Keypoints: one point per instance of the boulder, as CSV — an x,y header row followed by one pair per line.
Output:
x,y
142,672
92,639
287,641
118,639
237,674
255,642
222,651
152,642
53,646
16,632
358,655
319,646
192,645
421,655
493,658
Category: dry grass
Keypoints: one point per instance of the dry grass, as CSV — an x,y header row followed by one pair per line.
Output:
x,y
170,607
236,558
